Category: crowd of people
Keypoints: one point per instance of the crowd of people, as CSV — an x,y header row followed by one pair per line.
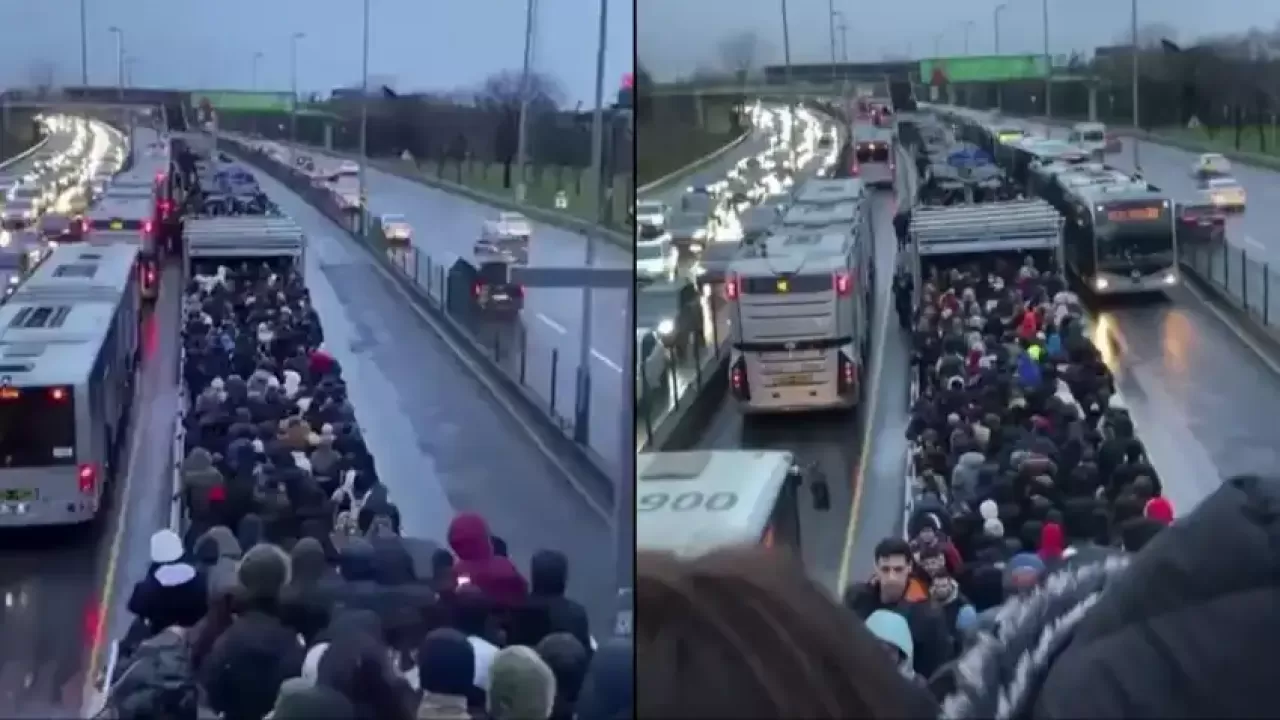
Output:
x,y
289,591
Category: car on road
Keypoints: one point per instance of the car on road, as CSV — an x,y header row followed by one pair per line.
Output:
x,y
711,268
487,285
699,200
691,231
396,229
652,363
507,226
1211,165
652,212
656,255
1224,192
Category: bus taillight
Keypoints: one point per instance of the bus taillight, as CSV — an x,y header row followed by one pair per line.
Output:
x,y
844,284
731,288
87,477
57,394
147,227
848,375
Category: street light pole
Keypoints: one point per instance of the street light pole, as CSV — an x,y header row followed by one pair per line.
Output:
x,y
257,58
831,23
1048,63
364,118
786,41
1133,10
119,59
995,19
522,132
293,84
937,45
968,26
84,44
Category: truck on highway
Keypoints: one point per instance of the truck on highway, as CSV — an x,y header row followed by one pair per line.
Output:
x,y
800,308
69,353
690,503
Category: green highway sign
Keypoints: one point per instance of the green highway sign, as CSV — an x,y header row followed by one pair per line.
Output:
x,y
983,68
242,101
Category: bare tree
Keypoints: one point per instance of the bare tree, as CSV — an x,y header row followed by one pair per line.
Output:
x,y
1149,35
502,93
740,52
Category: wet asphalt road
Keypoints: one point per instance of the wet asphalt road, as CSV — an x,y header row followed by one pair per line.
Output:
x,y
442,442
446,227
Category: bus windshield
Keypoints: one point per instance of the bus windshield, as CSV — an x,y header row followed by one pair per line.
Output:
x,y
37,427
1134,232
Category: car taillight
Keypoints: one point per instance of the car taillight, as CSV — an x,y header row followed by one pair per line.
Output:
x,y
844,284
738,379
731,288
87,478
477,289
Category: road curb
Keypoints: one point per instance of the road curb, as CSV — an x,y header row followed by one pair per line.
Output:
x,y
692,167
25,153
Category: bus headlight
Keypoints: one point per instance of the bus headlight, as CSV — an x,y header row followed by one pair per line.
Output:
x,y
666,327
1171,278
1101,283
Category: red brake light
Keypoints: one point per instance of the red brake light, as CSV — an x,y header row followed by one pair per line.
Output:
x,y
87,478
147,226
736,378
848,374
844,284
57,394
731,288
477,289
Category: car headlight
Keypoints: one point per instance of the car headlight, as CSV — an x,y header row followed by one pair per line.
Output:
x,y
666,327
1101,283
699,234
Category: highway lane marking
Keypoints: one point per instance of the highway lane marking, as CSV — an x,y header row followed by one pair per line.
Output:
x,y
561,330
864,461
608,363
1248,240
552,324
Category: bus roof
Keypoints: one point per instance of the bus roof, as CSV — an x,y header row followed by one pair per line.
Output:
x,y
986,227
689,503
831,242
52,329
244,237
825,192
122,207
819,216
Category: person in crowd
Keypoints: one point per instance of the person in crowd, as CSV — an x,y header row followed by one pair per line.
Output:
x,y
478,564
300,700
568,659
157,681
313,587
1109,634
608,690
547,610
521,686
903,300
446,674
896,587
693,660
244,669
891,630
172,592
473,615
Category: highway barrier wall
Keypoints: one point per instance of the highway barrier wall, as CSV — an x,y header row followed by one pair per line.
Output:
x,y
11,137
527,375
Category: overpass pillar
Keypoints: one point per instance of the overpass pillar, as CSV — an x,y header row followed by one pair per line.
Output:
x,y
699,110
328,135
951,95
1093,103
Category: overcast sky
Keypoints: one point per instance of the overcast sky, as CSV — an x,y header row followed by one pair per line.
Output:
x,y
422,44
677,36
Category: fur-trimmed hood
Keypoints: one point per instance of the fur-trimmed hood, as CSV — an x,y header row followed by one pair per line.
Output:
x,y
998,676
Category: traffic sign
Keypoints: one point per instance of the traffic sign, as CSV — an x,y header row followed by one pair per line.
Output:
x,y
562,200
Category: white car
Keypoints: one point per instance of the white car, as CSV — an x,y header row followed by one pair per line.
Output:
x,y
396,229
507,226
1225,192
656,255
651,363
1211,164
652,212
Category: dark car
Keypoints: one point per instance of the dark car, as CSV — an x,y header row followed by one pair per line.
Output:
x,y
673,310
697,201
690,230
484,289
1200,224
714,263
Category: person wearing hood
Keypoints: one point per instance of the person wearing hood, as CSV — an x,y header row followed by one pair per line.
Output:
x,y
892,631
157,682
1159,509
965,476
446,673
568,660
547,610
202,485
608,690
478,564
360,667
243,671
301,700
307,599
1198,605
172,593
473,616
521,686
219,553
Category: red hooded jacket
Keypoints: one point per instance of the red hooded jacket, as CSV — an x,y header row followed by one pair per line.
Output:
x,y
1052,542
320,364
470,540
1159,509
1028,326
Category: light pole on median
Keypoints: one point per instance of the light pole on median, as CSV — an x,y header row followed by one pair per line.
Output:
x,y
364,118
119,59
257,58
968,27
995,20
293,85
831,23
522,122
1048,62
1133,17
786,42
84,43
582,404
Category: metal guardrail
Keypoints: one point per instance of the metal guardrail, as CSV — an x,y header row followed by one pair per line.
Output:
x,y
26,153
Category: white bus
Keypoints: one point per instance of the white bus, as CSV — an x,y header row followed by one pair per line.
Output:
x,y
873,156
690,503
69,353
830,192
801,315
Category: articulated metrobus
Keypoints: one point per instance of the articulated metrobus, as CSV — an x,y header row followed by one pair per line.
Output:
x,y
801,309
69,353
690,503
